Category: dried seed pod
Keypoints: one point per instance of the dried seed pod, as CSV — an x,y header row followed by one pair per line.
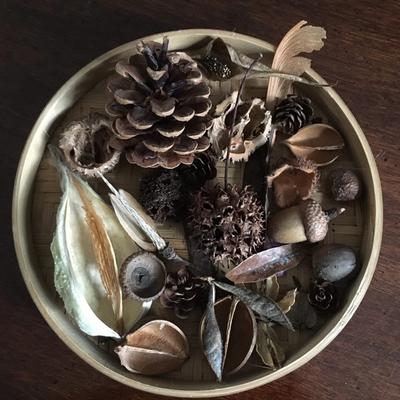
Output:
x,y
156,348
332,262
85,144
306,221
238,327
143,277
319,143
345,185
293,182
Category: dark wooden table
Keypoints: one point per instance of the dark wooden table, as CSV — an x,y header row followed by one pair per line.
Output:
x,y
42,43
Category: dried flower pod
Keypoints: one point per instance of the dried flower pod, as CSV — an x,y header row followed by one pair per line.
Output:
x,y
293,182
323,296
332,262
306,221
85,144
319,143
156,348
143,276
238,328
345,185
251,127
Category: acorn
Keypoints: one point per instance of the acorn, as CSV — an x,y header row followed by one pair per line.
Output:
x,y
333,262
345,184
143,277
305,221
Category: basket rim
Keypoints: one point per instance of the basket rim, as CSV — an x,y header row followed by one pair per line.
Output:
x,y
20,236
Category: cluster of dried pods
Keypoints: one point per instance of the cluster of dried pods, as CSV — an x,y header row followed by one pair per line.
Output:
x,y
160,115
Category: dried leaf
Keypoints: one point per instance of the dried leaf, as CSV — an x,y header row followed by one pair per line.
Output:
x,y
267,346
300,39
302,314
287,302
264,306
269,287
267,263
211,337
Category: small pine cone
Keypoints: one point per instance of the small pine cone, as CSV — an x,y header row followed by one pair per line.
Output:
x,y
161,194
227,225
160,107
293,113
202,170
181,292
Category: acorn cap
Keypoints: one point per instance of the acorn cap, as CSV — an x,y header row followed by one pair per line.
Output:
x,y
143,277
315,219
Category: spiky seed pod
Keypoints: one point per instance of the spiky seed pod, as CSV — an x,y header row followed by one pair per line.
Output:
x,y
293,113
160,107
181,292
227,225
161,194
345,184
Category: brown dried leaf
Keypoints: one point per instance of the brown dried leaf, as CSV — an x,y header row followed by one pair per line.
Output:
x,y
267,347
287,302
267,263
300,39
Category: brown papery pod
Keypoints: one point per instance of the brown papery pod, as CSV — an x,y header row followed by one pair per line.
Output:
x,y
319,143
238,328
267,263
156,348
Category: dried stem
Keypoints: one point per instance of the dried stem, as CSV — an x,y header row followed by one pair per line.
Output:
x,y
241,87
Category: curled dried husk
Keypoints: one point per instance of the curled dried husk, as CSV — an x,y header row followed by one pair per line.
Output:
x,y
238,328
293,182
288,300
143,277
86,145
251,127
88,248
268,348
156,348
319,143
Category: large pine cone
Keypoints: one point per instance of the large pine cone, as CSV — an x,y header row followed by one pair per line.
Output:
x,y
293,113
227,225
181,292
160,107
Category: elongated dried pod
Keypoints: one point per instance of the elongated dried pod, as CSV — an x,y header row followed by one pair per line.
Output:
x,y
319,143
156,348
293,182
238,328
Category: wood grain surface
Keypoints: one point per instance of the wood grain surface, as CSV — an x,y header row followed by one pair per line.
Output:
x,y
42,43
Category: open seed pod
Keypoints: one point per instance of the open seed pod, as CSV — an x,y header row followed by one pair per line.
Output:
x,y
238,328
156,348
143,277
293,182
319,143
251,127
85,144
305,221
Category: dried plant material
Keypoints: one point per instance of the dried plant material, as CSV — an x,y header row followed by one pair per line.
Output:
x,y
293,182
333,262
211,337
156,348
237,325
88,247
250,129
319,143
267,263
287,302
267,346
306,221
86,145
345,185
261,305
268,287
143,277
302,314
324,296
300,39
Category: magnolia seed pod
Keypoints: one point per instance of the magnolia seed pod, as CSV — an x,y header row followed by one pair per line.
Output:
x,y
143,277
345,185
156,348
305,221
332,262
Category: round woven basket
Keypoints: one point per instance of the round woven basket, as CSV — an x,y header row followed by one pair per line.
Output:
x,y
36,196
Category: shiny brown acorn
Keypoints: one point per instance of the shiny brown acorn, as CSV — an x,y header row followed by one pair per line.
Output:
x,y
156,348
305,221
